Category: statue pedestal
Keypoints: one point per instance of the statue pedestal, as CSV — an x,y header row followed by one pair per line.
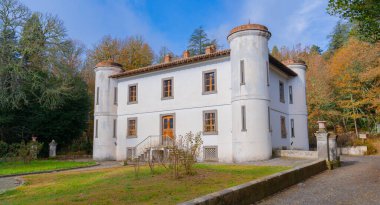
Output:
x,y
52,149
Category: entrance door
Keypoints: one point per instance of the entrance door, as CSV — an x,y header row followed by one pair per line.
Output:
x,y
167,128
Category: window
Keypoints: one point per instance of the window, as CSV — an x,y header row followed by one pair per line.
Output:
x,y
132,128
130,152
292,127
132,94
209,82
282,95
210,153
114,128
267,73
115,96
167,88
269,124
97,95
243,119
96,128
242,73
283,127
210,122
290,95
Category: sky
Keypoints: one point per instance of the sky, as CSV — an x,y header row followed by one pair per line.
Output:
x,y
170,23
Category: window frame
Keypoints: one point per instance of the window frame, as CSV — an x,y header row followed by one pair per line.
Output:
x,y
129,94
242,72
128,127
214,132
283,127
243,118
281,86
290,94
171,91
114,128
292,128
204,92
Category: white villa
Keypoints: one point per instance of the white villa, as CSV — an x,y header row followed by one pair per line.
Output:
x,y
244,101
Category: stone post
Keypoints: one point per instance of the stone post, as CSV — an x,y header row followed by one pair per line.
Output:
x,y
327,145
52,149
33,148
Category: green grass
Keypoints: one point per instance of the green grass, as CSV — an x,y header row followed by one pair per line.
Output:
x,y
119,185
7,168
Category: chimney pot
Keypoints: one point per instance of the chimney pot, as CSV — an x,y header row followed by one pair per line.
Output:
x,y
186,54
210,49
167,58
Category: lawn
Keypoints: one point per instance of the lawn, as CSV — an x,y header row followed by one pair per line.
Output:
x,y
7,168
119,185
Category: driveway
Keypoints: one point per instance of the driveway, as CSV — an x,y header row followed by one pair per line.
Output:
x,y
356,182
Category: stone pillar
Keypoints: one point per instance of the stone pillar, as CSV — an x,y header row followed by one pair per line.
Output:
x,y
327,145
52,149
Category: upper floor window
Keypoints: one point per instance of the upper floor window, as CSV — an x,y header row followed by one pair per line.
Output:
x,y
267,73
115,96
210,122
283,127
97,95
132,127
242,72
282,92
290,95
209,82
167,88
132,93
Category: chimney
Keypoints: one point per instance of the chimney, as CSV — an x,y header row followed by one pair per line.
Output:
x,y
210,49
167,58
186,54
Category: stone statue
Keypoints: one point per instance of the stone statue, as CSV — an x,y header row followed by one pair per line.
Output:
x,y
52,149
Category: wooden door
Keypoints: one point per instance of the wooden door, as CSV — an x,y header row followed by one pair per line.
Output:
x,y
167,127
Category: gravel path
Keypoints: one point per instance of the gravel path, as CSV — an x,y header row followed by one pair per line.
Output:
x,y
356,182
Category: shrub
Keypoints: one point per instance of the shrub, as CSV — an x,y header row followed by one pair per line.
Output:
x,y
3,149
29,151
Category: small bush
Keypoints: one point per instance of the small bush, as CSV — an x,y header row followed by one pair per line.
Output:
x,y
371,149
3,149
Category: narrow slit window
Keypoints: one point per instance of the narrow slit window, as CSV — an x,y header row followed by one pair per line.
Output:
x,y
243,119
115,96
210,122
97,95
167,88
209,82
132,91
292,127
242,73
114,128
282,92
269,124
96,128
267,73
290,95
283,127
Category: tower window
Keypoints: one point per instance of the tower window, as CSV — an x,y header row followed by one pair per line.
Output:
x,y
290,95
114,128
96,128
132,94
115,96
269,124
210,122
243,119
283,127
292,127
242,73
267,73
209,82
97,95
167,88
282,92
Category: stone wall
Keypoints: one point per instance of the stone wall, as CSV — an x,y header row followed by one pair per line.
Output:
x,y
358,150
296,154
256,190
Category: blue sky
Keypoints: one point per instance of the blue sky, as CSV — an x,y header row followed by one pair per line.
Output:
x,y
170,23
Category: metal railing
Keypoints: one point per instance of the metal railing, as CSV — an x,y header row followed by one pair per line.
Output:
x,y
152,141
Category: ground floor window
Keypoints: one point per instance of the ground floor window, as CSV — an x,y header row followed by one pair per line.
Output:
x,y
210,122
292,127
130,152
132,127
283,127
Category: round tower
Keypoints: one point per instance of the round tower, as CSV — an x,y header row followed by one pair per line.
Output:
x,y
298,109
250,92
105,110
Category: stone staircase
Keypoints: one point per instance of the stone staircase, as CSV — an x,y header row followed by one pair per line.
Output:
x,y
152,147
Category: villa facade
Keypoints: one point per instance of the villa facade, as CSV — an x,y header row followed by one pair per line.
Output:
x,y
244,102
